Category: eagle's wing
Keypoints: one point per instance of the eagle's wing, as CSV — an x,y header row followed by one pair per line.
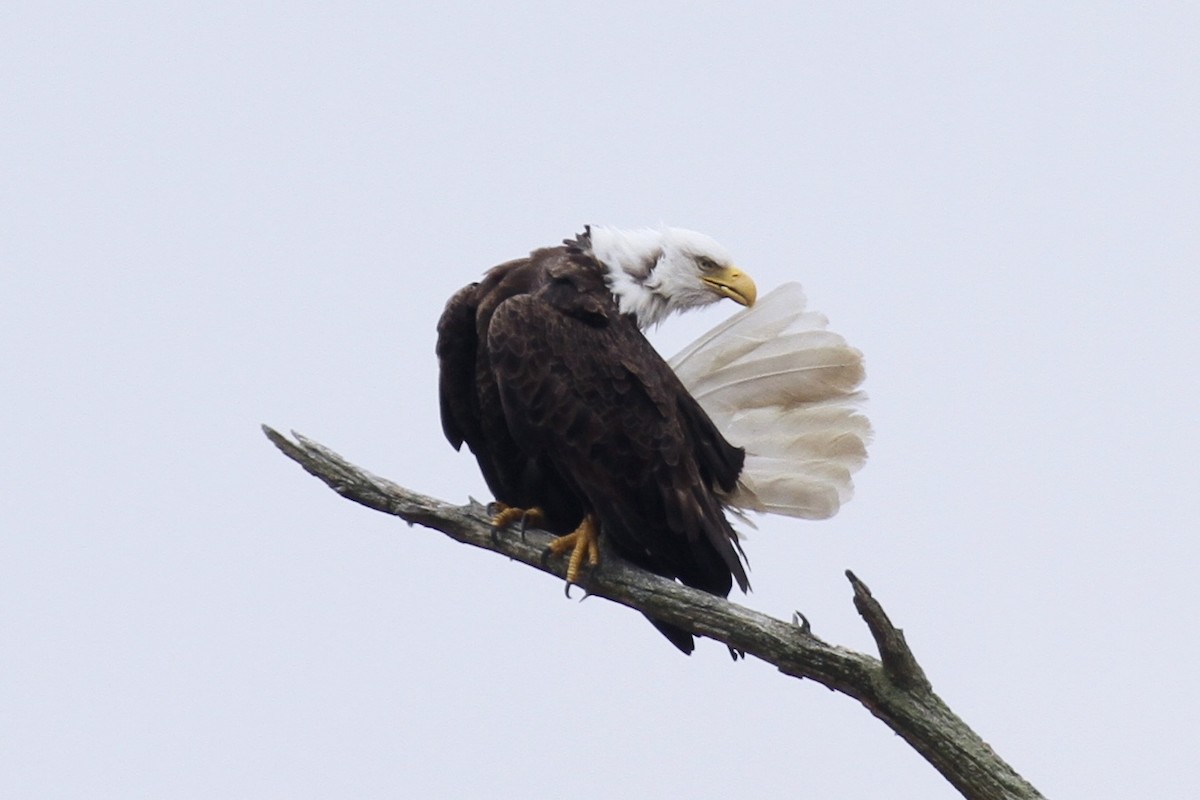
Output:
x,y
468,396
778,383
582,388
457,345
470,400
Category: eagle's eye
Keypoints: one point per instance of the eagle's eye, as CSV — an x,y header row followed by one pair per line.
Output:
x,y
707,264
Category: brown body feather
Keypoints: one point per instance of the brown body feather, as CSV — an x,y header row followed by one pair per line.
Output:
x,y
567,406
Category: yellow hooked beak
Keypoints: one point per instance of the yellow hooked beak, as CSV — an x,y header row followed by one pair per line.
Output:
x,y
731,282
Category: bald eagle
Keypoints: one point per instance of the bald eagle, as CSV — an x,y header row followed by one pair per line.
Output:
x,y
580,427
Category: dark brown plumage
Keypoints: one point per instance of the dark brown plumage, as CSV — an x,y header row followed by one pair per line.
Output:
x,y
568,407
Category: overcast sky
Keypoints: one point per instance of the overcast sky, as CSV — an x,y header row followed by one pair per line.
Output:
x,y
218,215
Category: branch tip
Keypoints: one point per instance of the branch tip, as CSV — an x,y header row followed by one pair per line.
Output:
x,y
898,660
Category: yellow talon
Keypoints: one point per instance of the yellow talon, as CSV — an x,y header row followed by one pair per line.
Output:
x,y
583,542
506,515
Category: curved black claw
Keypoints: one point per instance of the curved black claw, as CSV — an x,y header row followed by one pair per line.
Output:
x,y
801,622
492,509
523,526
547,554
570,584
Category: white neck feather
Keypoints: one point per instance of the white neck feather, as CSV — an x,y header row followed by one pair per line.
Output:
x,y
630,257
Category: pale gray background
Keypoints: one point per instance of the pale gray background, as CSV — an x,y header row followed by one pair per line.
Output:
x,y
216,215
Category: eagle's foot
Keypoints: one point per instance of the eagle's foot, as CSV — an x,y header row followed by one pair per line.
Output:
x,y
583,542
506,515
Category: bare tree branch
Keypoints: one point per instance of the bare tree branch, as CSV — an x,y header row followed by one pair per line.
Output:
x,y
894,689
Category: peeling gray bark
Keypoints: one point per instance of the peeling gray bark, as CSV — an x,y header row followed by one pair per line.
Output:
x,y
893,687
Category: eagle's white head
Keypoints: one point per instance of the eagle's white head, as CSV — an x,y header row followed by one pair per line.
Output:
x,y
654,273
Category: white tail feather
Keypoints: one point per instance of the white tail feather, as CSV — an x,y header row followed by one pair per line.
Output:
x,y
777,383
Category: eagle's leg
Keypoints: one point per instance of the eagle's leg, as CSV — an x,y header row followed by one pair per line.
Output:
x,y
506,515
583,542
